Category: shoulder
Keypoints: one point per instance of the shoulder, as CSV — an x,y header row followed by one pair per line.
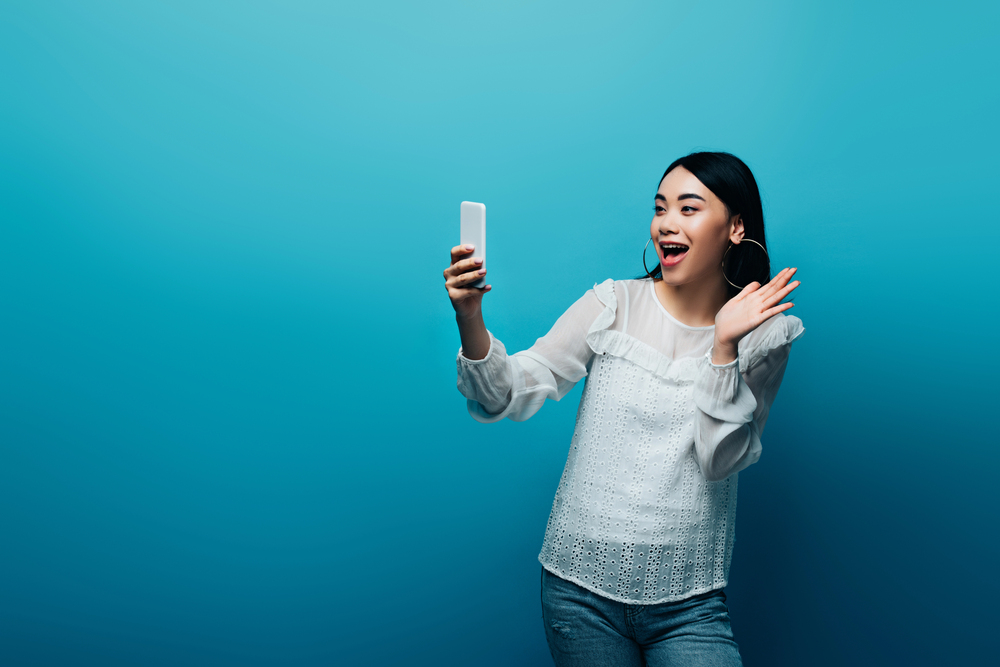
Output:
x,y
626,282
785,327
605,291
630,285
594,302
610,291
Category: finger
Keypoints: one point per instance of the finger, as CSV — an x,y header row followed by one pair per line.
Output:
x,y
780,294
788,289
770,312
463,265
776,283
461,250
471,264
470,277
748,288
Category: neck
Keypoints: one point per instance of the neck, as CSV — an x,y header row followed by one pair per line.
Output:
x,y
694,304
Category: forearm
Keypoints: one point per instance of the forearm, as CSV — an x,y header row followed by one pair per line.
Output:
x,y
733,406
475,338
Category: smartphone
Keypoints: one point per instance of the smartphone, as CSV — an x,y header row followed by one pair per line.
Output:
x,y
474,232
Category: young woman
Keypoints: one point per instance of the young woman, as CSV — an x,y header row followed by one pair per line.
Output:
x,y
682,367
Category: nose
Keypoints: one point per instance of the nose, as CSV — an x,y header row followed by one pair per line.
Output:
x,y
666,225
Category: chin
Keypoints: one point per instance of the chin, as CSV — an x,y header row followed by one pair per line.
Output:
x,y
672,280
678,278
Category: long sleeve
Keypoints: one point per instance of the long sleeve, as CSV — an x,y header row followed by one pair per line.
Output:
x,y
516,386
733,400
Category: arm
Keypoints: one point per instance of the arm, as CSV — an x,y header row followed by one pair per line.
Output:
x,y
733,406
516,386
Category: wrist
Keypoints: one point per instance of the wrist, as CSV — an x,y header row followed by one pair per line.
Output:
x,y
723,352
469,317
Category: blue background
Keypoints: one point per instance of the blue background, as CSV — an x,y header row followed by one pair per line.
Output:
x,y
229,427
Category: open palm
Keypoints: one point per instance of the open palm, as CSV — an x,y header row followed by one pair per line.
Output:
x,y
753,306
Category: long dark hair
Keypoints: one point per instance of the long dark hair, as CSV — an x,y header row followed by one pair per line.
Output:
x,y
731,181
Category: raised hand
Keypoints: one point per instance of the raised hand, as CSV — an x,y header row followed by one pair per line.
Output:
x,y
748,310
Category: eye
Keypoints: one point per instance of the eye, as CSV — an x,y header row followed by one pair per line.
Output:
x,y
658,208
688,208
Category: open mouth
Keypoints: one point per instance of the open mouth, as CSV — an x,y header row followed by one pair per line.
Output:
x,y
673,253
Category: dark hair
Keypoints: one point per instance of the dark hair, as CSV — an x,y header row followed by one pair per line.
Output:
x,y
731,181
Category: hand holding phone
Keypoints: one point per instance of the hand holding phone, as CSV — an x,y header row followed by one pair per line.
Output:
x,y
465,281
465,277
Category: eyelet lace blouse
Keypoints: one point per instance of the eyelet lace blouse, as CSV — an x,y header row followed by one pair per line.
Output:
x,y
646,505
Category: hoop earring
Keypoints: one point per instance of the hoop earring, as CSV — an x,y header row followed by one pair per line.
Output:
x,y
650,275
731,245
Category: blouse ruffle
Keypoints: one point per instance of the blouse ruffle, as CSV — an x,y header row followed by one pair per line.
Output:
x,y
603,340
515,386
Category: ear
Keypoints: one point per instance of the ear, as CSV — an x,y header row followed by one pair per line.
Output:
x,y
736,230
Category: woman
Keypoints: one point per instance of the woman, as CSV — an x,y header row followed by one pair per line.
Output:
x,y
682,367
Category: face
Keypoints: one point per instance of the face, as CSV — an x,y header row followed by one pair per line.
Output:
x,y
687,213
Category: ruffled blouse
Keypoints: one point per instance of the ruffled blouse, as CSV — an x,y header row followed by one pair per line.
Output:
x,y
645,508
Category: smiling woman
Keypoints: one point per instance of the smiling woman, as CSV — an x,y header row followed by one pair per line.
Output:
x,y
716,184
682,369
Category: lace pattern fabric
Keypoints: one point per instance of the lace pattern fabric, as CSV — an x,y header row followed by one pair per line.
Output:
x,y
645,507
633,517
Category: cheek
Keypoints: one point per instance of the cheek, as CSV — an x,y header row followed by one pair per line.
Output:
x,y
710,244
703,259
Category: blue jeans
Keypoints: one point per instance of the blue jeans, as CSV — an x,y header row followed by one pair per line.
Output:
x,y
584,629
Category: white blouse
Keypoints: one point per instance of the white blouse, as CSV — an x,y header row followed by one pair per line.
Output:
x,y
645,509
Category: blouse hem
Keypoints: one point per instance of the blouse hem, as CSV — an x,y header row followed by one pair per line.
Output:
x,y
618,598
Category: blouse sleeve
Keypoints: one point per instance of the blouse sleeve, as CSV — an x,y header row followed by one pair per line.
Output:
x,y
516,386
734,399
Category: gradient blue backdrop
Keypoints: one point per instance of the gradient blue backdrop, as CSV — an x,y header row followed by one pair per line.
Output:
x,y
229,428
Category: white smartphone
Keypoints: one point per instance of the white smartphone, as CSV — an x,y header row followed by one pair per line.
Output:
x,y
474,232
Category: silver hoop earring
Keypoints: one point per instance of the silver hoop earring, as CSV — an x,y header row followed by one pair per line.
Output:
x,y
648,274
731,245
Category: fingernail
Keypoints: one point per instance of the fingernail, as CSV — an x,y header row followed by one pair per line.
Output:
x,y
469,246
482,271
477,260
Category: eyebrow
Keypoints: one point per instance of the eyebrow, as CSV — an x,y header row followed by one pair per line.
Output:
x,y
686,195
